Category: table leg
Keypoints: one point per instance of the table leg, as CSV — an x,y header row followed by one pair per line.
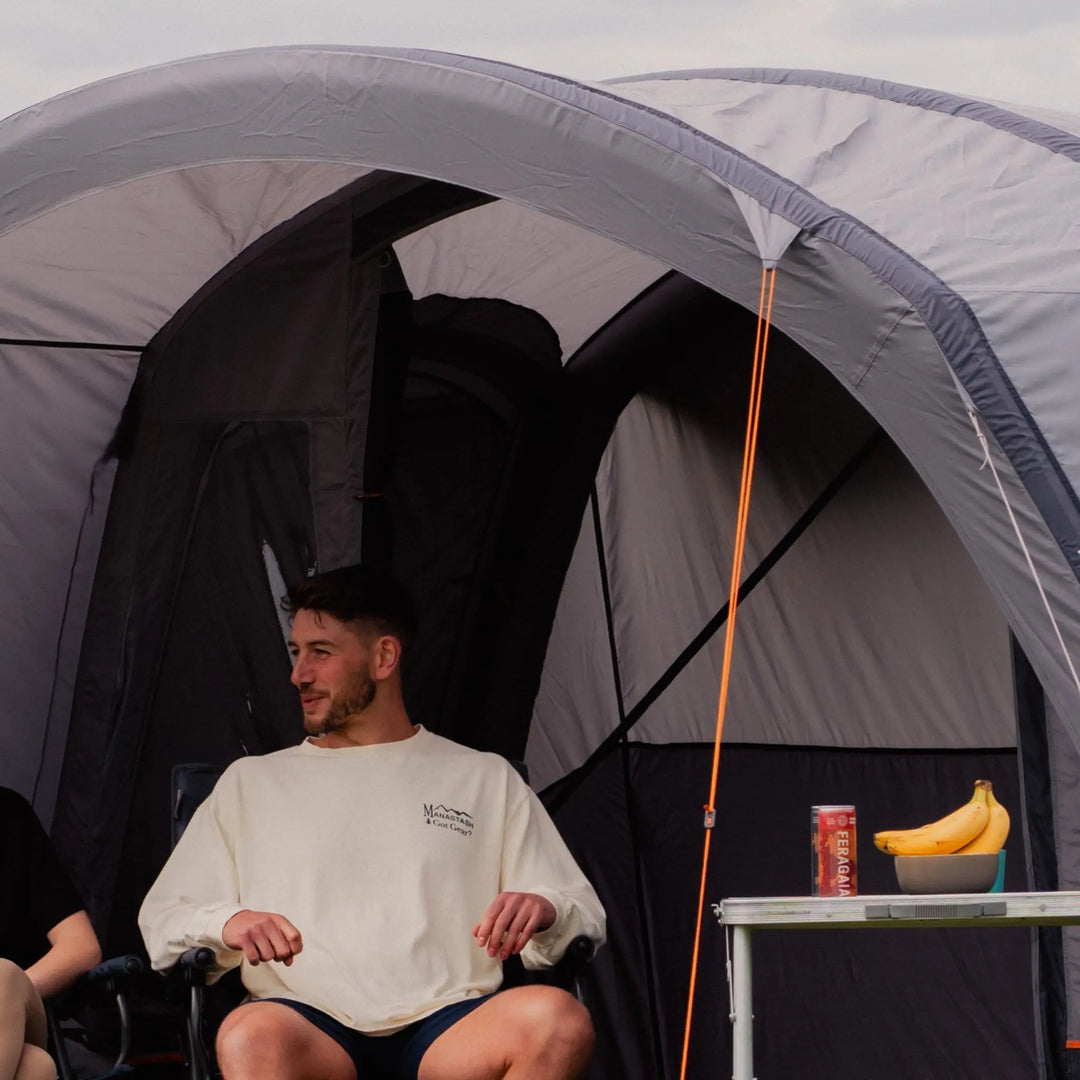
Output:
x,y
742,1032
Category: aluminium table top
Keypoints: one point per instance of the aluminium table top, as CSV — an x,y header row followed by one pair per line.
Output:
x,y
900,911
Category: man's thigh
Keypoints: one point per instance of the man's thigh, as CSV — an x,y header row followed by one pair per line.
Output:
x,y
267,1040
544,1030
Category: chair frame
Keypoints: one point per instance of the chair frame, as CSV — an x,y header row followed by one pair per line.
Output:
x,y
108,978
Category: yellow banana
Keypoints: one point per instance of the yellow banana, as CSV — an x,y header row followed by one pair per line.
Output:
x,y
992,838
944,836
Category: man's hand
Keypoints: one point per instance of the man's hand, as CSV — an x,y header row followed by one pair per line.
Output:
x,y
263,936
511,920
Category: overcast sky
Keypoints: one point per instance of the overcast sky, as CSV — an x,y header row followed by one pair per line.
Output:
x,y
1026,51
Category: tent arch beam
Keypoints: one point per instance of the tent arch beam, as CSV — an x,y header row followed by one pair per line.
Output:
x,y
658,140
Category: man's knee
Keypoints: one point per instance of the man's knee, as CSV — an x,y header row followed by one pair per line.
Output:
x,y
18,997
264,1041
252,1040
554,1021
13,980
35,1064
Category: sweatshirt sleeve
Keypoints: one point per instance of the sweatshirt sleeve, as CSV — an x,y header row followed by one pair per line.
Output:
x,y
537,860
195,895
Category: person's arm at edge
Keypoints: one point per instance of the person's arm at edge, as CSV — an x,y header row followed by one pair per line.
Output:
x,y
195,895
537,863
74,951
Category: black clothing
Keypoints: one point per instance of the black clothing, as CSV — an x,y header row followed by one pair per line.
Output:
x,y
392,1057
35,892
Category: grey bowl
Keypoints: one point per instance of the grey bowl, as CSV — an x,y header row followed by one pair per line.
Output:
x,y
946,873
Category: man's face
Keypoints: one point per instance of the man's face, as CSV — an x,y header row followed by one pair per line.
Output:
x,y
331,669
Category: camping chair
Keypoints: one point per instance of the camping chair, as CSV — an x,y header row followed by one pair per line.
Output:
x,y
191,784
106,981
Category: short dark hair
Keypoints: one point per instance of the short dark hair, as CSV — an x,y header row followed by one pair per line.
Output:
x,y
357,594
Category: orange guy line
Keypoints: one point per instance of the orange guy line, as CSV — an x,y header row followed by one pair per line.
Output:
x,y
757,382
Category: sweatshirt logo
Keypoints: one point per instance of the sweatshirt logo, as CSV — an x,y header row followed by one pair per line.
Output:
x,y
445,817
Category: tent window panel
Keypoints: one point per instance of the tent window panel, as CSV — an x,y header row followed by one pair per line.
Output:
x,y
873,629
575,707
452,461
219,689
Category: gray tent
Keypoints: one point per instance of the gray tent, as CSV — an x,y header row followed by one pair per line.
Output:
x,y
288,308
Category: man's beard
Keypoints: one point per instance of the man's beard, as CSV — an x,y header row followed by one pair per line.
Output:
x,y
355,698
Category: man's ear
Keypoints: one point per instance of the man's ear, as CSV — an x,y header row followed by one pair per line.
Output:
x,y
385,656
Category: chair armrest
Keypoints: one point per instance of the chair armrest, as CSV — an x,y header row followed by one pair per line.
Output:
x,y
187,979
563,973
188,974
572,964
194,964
108,979
580,951
107,973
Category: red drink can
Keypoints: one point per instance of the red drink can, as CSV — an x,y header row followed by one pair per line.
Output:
x,y
832,851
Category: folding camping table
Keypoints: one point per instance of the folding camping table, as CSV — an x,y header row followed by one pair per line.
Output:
x,y
744,915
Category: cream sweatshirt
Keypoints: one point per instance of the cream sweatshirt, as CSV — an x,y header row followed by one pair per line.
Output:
x,y
384,857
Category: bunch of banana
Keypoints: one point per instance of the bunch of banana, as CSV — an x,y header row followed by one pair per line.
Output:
x,y
979,826
992,839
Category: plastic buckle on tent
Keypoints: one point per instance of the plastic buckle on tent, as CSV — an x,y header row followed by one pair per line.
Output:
x,y
710,817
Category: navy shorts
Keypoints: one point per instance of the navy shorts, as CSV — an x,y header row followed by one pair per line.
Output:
x,y
386,1057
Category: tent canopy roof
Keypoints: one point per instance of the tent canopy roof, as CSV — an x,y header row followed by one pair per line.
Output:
x,y
927,248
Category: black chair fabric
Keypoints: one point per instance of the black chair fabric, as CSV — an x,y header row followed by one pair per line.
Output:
x,y
191,783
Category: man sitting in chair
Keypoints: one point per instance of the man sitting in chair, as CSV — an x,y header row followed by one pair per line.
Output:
x,y
370,881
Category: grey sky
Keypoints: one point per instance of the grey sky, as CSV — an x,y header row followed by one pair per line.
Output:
x,y
1027,51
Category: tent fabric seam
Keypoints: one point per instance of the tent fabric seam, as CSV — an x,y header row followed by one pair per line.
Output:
x,y
53,343
823,748
1037,132
88,509
567,783
879,345
609,614
149,174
